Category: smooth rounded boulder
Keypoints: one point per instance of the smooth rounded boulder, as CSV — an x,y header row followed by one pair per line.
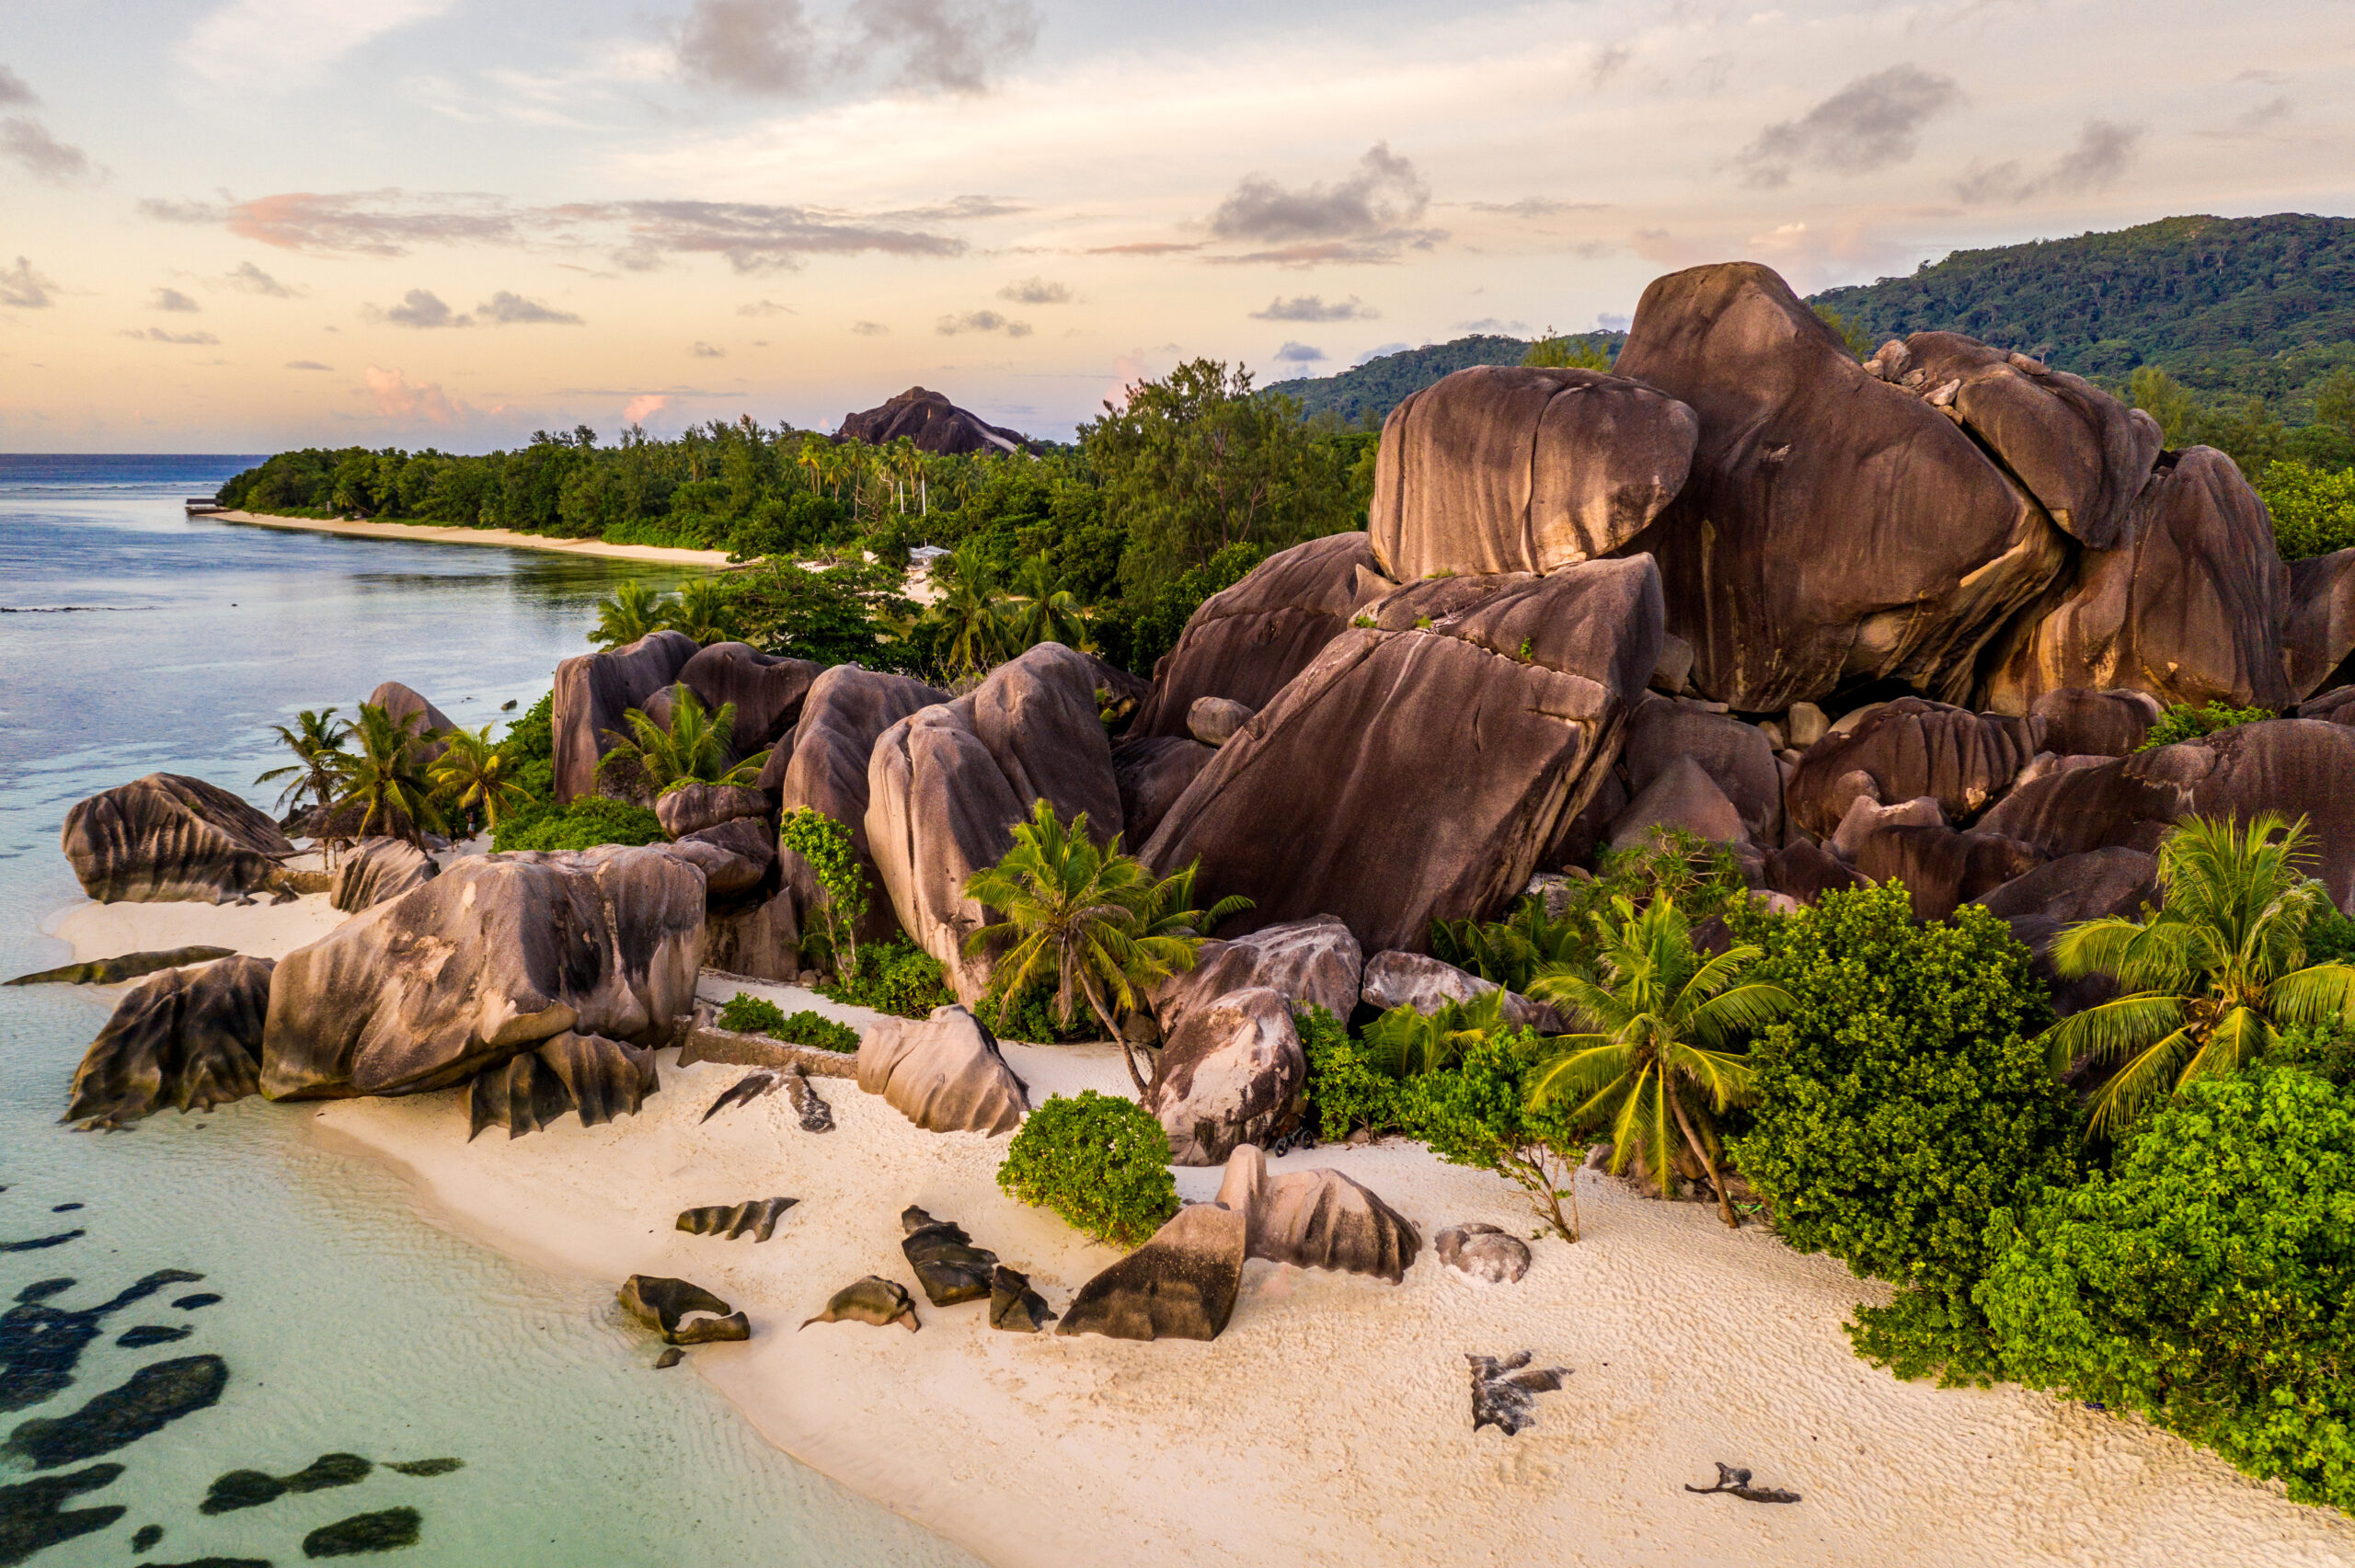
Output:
x,y
415,712
2079,722
1317,1218
1232,1073
1180,1285
1152,772
690,808
767,690
944,1074
1484,1252
190,1038
170,837
1428,986
377,869
1736,757
494,956
1514,468
596,1078
1418,772
593,694
1310,963
2318,635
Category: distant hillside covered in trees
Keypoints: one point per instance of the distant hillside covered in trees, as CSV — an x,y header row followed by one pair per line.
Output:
x,y
1365,393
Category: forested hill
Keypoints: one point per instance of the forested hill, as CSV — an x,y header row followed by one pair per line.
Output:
x,y
2240,306
1368,392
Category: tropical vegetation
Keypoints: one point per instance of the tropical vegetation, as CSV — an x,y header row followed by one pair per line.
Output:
x,y
1101,1161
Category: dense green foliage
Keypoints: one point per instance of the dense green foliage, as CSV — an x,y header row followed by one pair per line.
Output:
x,y
2183,722
2314,508
892,977
1346,1091
1101,1161
829,849
1901,1100
591,821
750,1014
2203,1282
1364,395
1478,1113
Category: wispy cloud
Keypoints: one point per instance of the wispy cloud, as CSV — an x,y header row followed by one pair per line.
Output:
x,y
307,365
1532,207
1369,215
157,335
28,144
777,49
406,402
1035,291
871,329
1299,354
172,298
13,93
1313,307
505,309
1874,122
2103,152
763,307
275,45
980,321
21,288
251,280
952,45
703,351
749,45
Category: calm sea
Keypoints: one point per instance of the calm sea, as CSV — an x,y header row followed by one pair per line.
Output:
x,y
134,639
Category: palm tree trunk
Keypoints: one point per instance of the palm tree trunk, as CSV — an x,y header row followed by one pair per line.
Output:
x,y
1701,1152
1112,1032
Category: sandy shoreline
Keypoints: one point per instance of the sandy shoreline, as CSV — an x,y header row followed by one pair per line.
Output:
x,y
1330,1424
507,538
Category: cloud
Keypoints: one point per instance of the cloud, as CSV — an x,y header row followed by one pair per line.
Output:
x,y
1299,354
1147,247
251,280
1369,216
504,309
275,45
2104,149
748,46
703,351
2272,111
980,321
366,222
1872,123
1611,321
172,298
643,406
21,288
871,328
765,307
422,308
26,142
1534,207
1380,352
1035,291
307,365
157,335
14,94
1608,62
1312,307
406,403
1490,324
953,45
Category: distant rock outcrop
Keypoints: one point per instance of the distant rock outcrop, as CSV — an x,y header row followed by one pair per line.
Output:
x,y
934,423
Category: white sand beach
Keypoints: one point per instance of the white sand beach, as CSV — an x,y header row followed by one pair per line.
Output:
x,y
437,533
1331,1423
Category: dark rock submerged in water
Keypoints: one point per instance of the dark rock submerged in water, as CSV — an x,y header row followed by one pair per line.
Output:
x,y
489,960
33,1517
189,1038
40,1344
126,967
252,1488
387,1530
168,837
946,1263
1180,1285
756,1218
588,1074
377,869
151,1399
664,1304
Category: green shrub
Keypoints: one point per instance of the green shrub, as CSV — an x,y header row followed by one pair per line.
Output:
x,y
1902,1100
1476,1113
826,847
2203,1283
749,1014
892,977
1101,1161
589,822
1346,1091
2182,723
2330,939
2314,508
1031,1017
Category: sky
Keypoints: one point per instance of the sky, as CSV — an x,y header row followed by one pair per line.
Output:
x,y
241,225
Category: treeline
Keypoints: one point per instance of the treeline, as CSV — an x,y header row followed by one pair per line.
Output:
x,y
1197,464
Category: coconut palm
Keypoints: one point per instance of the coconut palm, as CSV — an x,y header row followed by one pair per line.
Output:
x,y
1167,907
968,606
473,771
1042,610
633,611
1404,1043
1075,909
1662,1021
703,609
316,741
2205,983
694,749
385,776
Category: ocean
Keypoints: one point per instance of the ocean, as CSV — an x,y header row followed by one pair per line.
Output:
x,y
133,640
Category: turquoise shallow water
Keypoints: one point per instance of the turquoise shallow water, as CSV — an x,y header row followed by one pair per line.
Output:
x,y
346,1323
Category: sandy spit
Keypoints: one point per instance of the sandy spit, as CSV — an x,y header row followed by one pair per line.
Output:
x,y
505,537
1331,1424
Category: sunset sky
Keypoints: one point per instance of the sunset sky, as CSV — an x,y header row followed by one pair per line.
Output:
x,y
243,224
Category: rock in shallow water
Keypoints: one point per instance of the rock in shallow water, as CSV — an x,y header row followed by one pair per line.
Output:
x,y
149,1400
190,1039
32,1519
387,1530
662,1304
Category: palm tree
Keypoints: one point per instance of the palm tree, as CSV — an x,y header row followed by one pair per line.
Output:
x,y
1077,908
474,773
633,611
1663,1019
703,610
2205,983
968,605
1404,1043
316,741
1043,611
387,775
694,750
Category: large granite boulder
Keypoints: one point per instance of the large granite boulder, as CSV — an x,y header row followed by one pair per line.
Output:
x,y
169,836
1180,1285
1417,772
1152,771
2095,884
947,784
592,693
2079,451
945,1073
1681,797
489,960
1247,641
760,939
1232,1073
932,422
1835,528
596,1078
825,769
2297,766
1736,757
1940,867
2319,633
692,807
411,710
1310,963
1427,985
1910,747
1213,720
1804,871
2191,607
1318,1218
750,842
377,869
766,690
1510,468
189,1037
2083,722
